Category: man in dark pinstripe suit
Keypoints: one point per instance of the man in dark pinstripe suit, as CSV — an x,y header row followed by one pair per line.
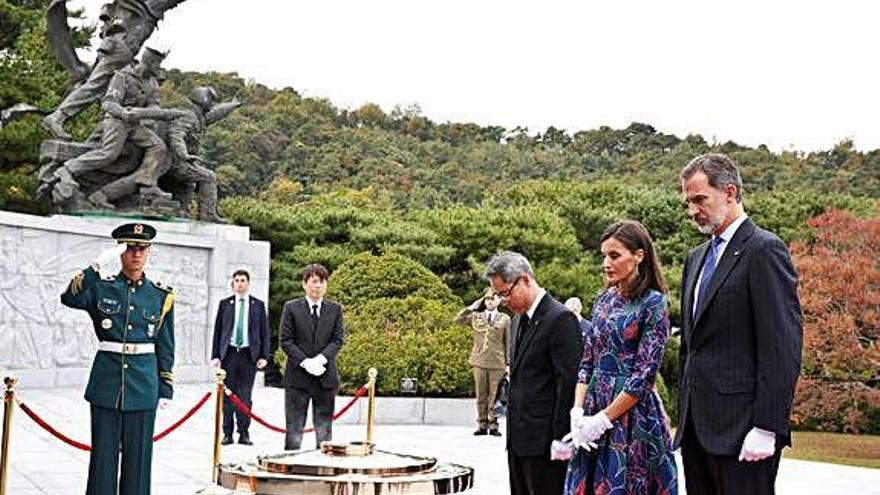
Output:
x,y
741,340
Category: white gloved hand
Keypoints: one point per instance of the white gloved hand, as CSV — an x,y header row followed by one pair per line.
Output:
x,y
575,415
107,257
164,403
313,366
590,428
320,359
759,444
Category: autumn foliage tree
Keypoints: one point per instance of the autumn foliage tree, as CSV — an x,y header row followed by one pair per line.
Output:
x,y
840,293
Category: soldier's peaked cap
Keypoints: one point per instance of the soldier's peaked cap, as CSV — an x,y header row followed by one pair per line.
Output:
x,y
140,234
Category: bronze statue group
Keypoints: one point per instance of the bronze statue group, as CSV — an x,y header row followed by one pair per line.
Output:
x,y
140,157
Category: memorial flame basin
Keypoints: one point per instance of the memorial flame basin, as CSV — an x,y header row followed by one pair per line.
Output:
x,y
345,469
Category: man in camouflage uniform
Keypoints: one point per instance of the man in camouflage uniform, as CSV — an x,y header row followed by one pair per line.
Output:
x,y
488,356
131,375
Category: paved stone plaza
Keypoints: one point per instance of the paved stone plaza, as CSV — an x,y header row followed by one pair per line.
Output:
x,y
43,465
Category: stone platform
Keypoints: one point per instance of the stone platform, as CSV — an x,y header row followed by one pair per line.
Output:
x,y
48,345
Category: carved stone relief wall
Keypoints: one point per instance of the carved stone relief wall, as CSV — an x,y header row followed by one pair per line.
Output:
x,y
48,345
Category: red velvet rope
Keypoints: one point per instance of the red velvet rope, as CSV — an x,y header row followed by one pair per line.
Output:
x,y
185,417
81,446
57,434
362,391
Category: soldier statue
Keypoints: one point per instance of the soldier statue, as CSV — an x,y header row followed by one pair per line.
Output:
x,y
131,376
185,140
132,21
130,105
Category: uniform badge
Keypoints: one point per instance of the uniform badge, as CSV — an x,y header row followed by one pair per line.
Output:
x,y
138,229
151,330
106,323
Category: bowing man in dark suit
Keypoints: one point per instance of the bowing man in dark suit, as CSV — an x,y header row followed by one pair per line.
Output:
x,y
241,347
741,340
311,335
543,374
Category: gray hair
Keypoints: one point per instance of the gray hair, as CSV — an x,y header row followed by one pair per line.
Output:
x,y
509,266
719,169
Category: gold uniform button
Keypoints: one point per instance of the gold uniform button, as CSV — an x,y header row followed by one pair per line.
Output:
x,y
129,327
125,366
131,308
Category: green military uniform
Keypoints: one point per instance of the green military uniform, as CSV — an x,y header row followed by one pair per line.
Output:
x,y
134,323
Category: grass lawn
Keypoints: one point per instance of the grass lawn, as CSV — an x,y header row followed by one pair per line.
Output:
x,y
837,448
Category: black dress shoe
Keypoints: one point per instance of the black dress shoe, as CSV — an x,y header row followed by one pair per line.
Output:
x,y
227,439
481,431
244,439
494,432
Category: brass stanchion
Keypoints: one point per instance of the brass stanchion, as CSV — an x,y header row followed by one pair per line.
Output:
x,y
8,405
220,376
371,406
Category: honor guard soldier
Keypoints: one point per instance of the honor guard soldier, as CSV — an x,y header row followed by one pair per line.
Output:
x,y
132,372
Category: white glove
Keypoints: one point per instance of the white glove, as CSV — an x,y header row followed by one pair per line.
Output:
x,y
590,428
108,257
164,403
320,359
313,366
758,444
575,415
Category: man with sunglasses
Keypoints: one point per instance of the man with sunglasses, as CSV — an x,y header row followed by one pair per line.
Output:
x,y
543,373
133,318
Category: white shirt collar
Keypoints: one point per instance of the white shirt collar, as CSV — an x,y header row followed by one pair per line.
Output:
x,y
728,233
246,296
536,302
312,303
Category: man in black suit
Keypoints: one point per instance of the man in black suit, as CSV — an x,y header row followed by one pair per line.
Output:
x,y
741,340
311,335
543,373
241,347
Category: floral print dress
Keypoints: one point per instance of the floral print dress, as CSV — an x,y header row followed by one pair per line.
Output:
x,y
622,352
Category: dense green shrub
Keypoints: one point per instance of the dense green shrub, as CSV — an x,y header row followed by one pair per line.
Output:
x,y
17,193
366,277
410,337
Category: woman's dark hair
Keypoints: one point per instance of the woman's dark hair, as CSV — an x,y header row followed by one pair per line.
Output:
x,y
315,269
634,236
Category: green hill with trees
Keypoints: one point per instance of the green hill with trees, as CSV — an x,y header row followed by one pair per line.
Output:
x,y
405,210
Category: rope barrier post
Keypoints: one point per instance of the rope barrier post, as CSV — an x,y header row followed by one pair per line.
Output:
x,y
371,407
8,405
220,376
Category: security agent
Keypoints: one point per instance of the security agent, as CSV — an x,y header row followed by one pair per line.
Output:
x,y
132,374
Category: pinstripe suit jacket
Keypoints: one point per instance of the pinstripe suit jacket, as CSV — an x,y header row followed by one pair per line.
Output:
x,y
741,351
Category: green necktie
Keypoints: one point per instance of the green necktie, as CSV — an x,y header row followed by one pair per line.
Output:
x,y
239,325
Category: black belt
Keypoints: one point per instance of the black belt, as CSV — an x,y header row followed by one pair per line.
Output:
x,y
241,349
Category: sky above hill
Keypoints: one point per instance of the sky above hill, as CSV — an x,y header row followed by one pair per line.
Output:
x,y
789,74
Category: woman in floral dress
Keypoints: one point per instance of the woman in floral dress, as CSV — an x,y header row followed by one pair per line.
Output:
x,y
618,418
